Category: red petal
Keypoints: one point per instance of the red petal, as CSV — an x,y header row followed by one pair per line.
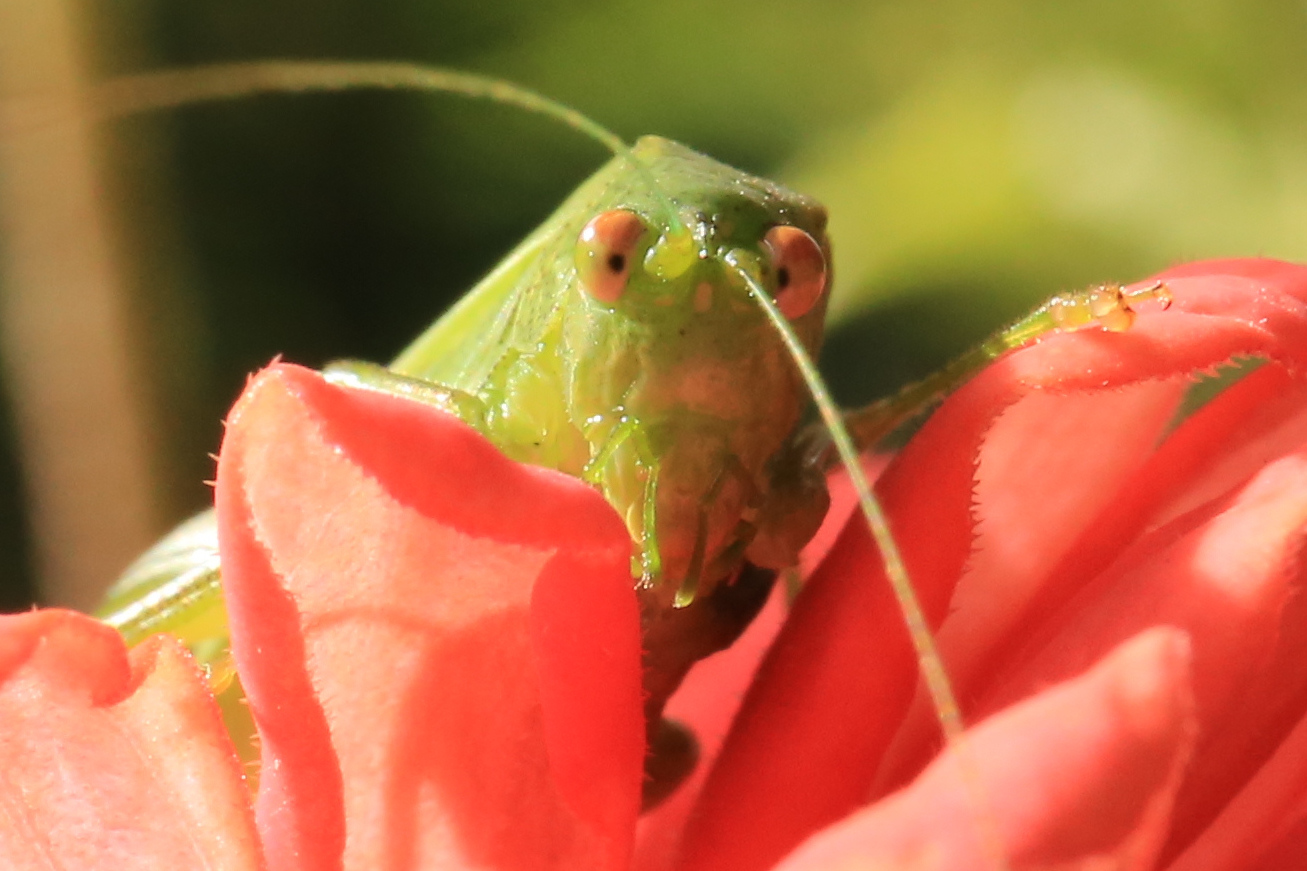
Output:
x,y
1214,318
1029,561
111,763
1289,277
1287,851
1081,775
1257,420
1225,573
1266,810
1260,419
1048,465
440,647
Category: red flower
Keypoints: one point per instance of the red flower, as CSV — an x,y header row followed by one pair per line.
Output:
x,y
442,648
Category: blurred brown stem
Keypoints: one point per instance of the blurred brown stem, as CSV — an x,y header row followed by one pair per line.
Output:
x,y
63,319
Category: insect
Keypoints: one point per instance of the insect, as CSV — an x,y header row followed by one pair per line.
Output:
x,y
653,337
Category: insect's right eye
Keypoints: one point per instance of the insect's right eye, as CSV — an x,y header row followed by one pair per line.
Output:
x,y
800,269
605,252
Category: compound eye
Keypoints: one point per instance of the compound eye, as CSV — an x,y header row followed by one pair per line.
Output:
x,y
605,253
800,269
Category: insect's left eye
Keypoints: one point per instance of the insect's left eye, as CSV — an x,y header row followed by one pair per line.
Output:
x,y
605,252
800,269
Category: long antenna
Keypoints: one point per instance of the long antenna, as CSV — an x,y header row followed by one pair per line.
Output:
x,y
923,640
127,95
170,89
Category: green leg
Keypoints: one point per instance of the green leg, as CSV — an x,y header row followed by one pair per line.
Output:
x,y
1108,306
176,585
628,429
371,376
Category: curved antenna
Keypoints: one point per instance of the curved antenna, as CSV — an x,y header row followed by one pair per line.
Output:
x,y
929,660
928,657
145,92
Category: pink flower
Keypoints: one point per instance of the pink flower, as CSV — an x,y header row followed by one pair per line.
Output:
x,y
442,648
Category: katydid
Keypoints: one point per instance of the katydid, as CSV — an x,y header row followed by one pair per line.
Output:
x,y
653,337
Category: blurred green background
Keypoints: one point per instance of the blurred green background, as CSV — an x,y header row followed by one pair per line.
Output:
x,y
976,155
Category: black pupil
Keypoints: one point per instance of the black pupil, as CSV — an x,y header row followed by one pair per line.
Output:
x,y
783,277
616,262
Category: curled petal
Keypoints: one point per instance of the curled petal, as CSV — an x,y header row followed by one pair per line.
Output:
x,y
1080,776
1228,573
1224,572
1067,476
111,761
440,647
828,701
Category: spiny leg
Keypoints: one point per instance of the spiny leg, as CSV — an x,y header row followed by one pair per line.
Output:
x,y
628,429
1108,306
372,376
176,586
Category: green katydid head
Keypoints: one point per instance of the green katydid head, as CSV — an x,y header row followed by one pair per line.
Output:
x,y
666,218
678,372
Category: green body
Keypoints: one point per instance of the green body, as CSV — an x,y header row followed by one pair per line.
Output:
x,y
679,401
